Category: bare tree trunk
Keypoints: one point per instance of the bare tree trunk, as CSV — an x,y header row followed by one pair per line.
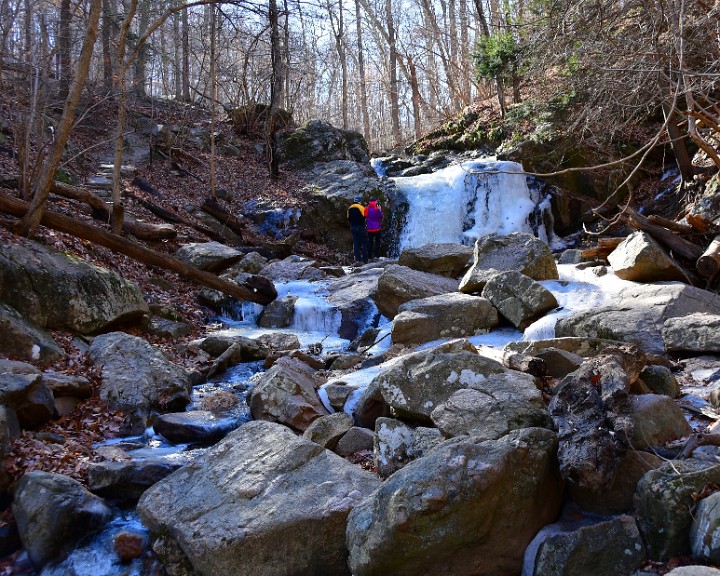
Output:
x,y
41,186
480,12
64,47
415,96
213,97
185,57
118,210
273,161
394,97
682,157
361,73
177,57
139,83
106,35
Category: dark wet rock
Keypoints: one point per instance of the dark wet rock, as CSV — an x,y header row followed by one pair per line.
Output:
x,y
53,513
664,501
125,481
197,426
28,397
606,548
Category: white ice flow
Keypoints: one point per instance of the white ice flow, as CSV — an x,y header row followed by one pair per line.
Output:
x,y
465,201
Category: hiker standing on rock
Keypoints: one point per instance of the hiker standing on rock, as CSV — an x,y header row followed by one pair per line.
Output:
x,y
373,219
356,218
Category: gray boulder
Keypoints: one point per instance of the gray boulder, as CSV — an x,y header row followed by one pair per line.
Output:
x,y
287,393
251,263
292,268
355,440
518,298
261,502
695,333
327,430
67,384
352,296
518,251
419,383
137,378
656,420
664,502
641,259
452,508
318,141
57,291
639,314
443,259
249,349
400,284
581,345
53,513
607,548
22,339
559,363
452,315
208,256
396,444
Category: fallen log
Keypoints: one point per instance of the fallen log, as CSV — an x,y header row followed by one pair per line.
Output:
x,y
678,227
260,292
672,241
602,250
174,218
709,262
101,210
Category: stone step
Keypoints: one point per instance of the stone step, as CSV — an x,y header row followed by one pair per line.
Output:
x,y
126,170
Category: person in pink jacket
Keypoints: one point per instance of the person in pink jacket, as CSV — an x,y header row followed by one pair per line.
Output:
x,y
373,221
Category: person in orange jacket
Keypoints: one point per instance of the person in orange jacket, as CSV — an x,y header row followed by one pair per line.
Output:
x,y
356,218
373,221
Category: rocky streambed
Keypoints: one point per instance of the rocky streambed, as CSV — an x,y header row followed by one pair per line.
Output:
x,y
462,409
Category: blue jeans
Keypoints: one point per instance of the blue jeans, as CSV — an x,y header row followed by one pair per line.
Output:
x,y
360,247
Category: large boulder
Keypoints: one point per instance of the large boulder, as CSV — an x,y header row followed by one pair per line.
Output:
x,y
696,333
292,268
53,513
639,314
124,481
656,420
58,291
518,297
502,252
137,378
352,296
330,190
209,256
22,339
706,529
640,258
396,443
28,397
287,393
318,141
261,502
664,502
453,315
452,508
443,259
400,284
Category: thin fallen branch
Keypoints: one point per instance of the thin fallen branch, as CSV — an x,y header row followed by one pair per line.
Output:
x,y
697,440
255,290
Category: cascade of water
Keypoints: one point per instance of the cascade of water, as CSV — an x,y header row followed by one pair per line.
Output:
x,y
465,201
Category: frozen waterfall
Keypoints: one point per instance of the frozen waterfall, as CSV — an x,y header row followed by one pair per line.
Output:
x,y
460,203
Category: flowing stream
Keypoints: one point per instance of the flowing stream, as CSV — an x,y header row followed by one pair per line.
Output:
x,y
457,204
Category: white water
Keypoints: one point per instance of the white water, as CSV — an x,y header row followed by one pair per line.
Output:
x,y
463,202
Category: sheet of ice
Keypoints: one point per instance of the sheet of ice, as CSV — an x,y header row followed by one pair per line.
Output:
x,y
465,201
576,290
